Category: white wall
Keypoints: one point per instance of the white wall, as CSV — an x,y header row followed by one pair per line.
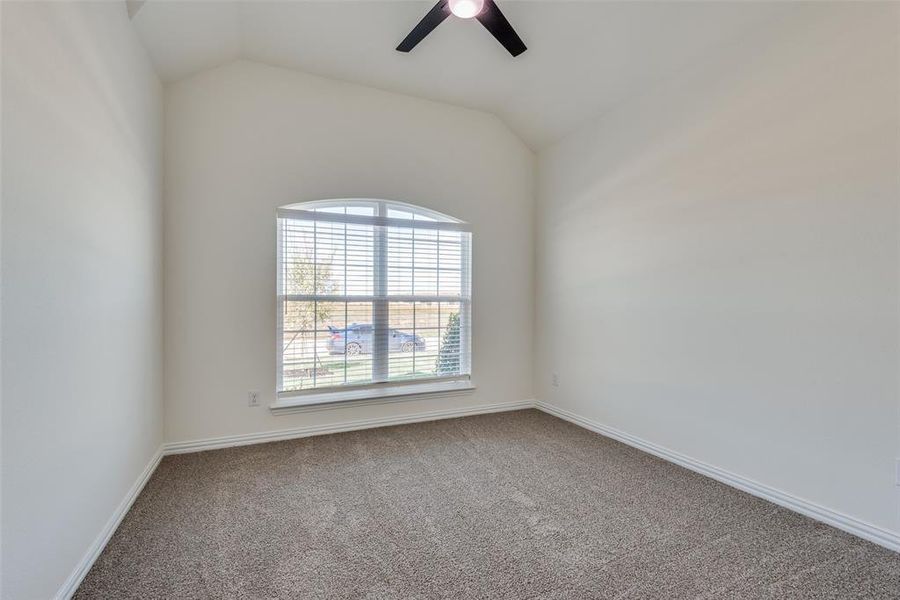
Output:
x,y
718,261
246,138
82,282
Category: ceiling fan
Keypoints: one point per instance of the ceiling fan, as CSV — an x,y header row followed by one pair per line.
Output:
x,y
486,11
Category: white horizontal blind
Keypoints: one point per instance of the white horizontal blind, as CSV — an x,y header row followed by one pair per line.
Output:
x,y
371,292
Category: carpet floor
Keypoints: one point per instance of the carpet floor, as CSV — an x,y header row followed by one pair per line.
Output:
x,y
517,505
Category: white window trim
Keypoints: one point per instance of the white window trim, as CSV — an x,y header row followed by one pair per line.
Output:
x,y
384,391
380,393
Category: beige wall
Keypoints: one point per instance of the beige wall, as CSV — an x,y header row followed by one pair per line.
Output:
x,y
718,261
81,280
244,139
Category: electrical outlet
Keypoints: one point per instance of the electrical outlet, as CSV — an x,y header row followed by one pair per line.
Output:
x,y
253,398
898,473
555,380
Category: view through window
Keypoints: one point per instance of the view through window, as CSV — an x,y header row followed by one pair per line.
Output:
x,y
371,291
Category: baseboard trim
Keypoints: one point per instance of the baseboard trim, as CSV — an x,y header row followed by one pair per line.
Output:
x,y
311,430
867,531
71,584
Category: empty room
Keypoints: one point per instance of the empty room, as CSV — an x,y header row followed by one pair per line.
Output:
x,y
475,299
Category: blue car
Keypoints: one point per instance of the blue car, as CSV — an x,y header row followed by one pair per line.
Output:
x,y
358,339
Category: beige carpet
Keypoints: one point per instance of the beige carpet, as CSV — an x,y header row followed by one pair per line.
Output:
x,y
514,505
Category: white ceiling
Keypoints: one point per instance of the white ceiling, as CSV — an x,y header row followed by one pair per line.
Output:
x,y
583,57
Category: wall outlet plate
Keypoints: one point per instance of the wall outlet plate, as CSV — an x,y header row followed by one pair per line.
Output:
x,y
897,474
253,398
554,380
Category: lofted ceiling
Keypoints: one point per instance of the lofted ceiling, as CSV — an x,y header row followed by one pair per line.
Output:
x,y
582,58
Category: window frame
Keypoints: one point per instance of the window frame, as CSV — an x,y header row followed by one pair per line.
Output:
x,y
380,388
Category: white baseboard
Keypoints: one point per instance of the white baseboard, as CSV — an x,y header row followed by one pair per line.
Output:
x,y
87,561
867,531
310,430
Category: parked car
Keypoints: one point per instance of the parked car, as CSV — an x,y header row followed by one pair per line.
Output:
x,y
358,339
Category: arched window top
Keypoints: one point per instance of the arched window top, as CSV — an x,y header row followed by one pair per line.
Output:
x,y
374,208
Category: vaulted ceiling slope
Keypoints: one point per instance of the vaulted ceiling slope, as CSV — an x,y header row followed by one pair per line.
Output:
x,y
582,58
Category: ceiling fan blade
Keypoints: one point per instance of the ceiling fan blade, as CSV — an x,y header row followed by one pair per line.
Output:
x,y
494,21
435,16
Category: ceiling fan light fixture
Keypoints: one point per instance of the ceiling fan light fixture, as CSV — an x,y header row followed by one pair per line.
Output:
x,y
485,11
466,9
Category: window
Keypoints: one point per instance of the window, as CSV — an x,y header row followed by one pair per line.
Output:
x,y
371,292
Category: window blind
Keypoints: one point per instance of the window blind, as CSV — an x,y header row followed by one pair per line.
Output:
x,y
371,292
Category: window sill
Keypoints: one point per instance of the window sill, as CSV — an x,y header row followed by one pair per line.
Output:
x,y
383,394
